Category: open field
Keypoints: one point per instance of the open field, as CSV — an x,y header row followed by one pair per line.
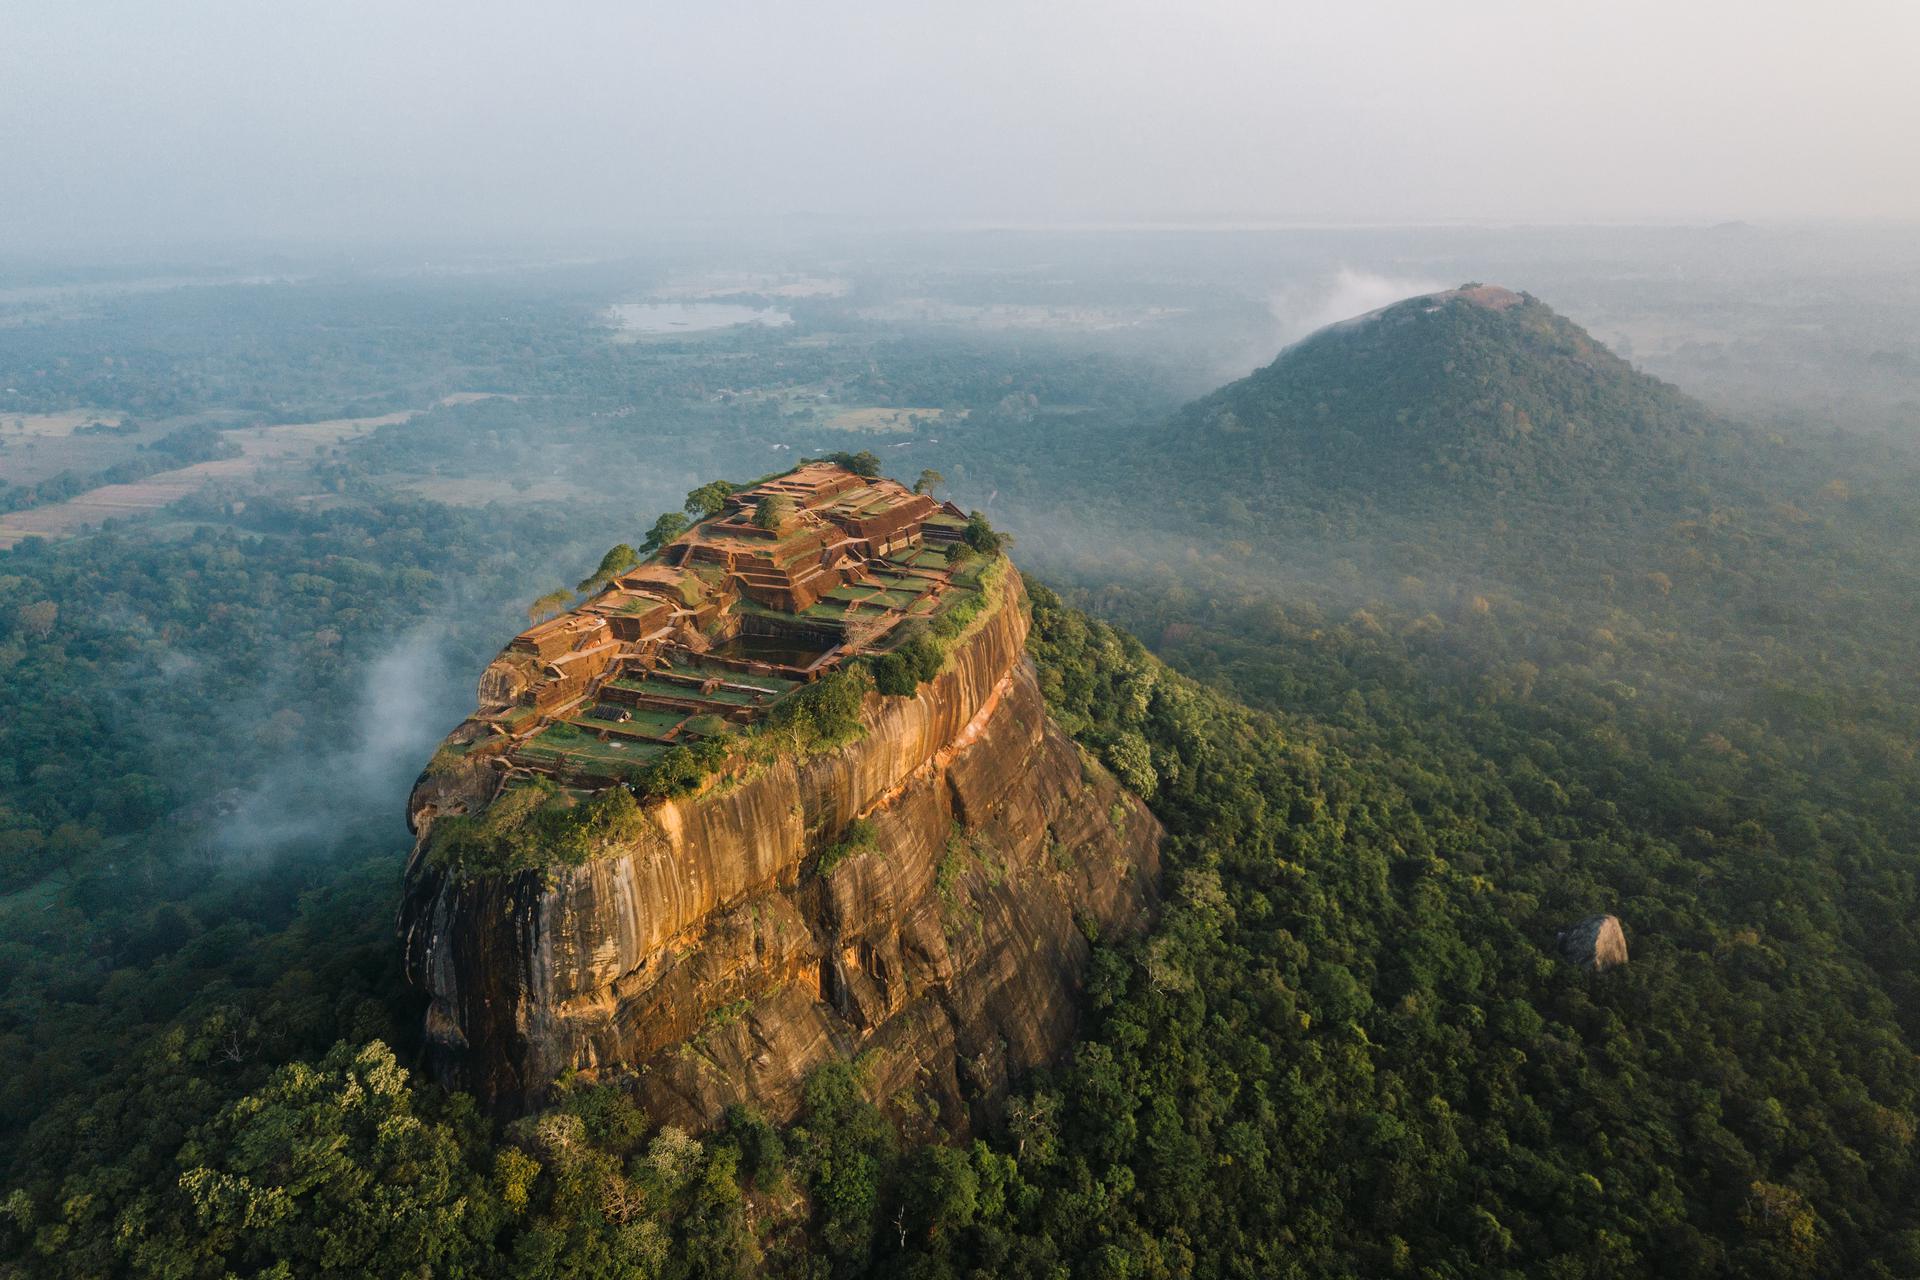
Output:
x,y
261,447
878,419
35,447
54,424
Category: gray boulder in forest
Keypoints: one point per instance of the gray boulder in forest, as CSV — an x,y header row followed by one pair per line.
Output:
x,y
1597,943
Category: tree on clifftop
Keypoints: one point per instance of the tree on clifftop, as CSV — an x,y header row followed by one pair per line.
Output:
x,y
549,604
983,537
617,561
865,463
665,530
708,499
929,481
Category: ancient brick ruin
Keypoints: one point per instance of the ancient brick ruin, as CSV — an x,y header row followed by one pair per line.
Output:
x,y
717,627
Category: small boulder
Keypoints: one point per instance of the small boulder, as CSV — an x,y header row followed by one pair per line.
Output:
x,y
1597,943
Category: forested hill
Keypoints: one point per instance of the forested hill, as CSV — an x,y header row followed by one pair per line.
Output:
x,y
1466,445
1619,654
1478,392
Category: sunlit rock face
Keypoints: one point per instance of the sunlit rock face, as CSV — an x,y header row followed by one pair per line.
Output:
x,y
714,963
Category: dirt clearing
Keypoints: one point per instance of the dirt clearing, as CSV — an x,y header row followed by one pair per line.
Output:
x,y
261,447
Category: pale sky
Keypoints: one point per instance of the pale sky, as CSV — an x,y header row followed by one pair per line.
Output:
x,y
141,121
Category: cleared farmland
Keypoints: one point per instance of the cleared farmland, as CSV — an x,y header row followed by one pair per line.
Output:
x,y
261,447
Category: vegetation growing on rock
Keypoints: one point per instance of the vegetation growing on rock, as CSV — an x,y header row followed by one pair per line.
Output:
x,y
536,825
859,836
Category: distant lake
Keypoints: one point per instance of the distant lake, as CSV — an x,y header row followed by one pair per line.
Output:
x,y
690,317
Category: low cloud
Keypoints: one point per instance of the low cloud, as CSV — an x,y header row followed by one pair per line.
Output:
x,y
409,696
1302,309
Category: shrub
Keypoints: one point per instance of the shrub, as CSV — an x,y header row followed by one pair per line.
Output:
x,y
863,463
825,714
673,773
773,512
893,676
951,623
859,836
923,655
982,537
534,826
917,659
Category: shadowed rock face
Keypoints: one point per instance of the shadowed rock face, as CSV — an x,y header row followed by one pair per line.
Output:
x,y
714,964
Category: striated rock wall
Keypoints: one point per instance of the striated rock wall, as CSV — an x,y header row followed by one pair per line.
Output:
x,y
715,964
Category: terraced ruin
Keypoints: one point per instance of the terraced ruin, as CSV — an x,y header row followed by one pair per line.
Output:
x,y
619,876
720,625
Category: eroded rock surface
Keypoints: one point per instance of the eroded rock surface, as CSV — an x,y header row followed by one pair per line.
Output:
x,y
714,963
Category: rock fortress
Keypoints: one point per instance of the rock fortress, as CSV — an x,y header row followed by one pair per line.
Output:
x,y
783,793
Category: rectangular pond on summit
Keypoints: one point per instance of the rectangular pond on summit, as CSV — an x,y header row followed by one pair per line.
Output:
x,y
783,651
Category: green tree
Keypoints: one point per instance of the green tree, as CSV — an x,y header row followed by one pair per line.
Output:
x,y
983,537
709,499
942,1190
37,619
773,511
546,606
330,1169
1131,760
664,530
864,463
617,561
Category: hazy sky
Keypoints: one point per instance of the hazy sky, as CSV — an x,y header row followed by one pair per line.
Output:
x,y
136,120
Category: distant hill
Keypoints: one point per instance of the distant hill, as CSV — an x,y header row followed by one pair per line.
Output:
x,y
1474,441
1477,393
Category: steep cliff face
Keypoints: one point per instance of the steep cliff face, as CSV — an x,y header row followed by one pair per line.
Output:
x,y
717,960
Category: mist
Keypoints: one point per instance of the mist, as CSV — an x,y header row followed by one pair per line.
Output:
x,y
444,123
1312,305
409,696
